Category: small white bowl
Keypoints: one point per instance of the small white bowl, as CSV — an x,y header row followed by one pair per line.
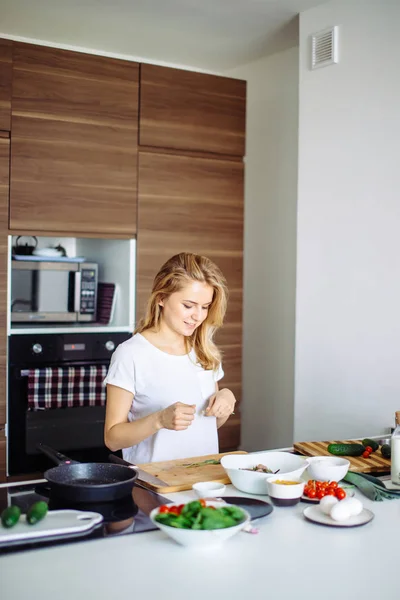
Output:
x,y
327,468
208,489
253,482
202,538
285,494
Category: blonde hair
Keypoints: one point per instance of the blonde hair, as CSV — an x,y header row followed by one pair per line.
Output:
x,y
177,272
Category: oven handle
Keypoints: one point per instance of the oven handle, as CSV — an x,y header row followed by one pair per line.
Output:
x,y
78,291
19,372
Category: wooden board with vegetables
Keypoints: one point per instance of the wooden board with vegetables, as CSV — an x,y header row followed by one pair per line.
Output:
x,y
182,473
361,460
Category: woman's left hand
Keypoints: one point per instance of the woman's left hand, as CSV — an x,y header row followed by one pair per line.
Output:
x,y
221,405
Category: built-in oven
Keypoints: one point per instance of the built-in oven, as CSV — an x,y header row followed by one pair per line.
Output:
x,y
58,291
56,396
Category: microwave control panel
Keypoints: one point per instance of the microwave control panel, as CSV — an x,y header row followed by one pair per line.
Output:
x,y
88,291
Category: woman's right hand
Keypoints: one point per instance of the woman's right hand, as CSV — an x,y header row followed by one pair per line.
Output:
x,y
178,416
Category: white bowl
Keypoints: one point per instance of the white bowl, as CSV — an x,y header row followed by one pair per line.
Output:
x,y
289,465
201,538
208,489
285,494
327,468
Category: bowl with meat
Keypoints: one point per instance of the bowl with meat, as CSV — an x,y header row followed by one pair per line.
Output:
x,y
249,472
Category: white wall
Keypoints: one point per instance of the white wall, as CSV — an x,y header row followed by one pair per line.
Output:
x,y
348,276
270,250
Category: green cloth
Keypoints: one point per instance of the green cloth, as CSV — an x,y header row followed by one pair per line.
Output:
x,y
371,487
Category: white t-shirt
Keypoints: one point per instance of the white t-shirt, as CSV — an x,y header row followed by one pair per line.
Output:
x,y
157,380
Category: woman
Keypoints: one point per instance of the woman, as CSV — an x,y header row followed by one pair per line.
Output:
x,y
163,400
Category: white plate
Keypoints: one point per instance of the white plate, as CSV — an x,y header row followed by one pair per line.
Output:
x,y
313,513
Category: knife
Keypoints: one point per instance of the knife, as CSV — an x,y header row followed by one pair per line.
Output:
x,y
142,475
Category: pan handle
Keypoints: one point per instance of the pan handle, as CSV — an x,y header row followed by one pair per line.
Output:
x,y
120,461
55,456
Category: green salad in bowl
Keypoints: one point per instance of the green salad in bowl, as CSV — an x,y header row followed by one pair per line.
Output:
x,y
200,522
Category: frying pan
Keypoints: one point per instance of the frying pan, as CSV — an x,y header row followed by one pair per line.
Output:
x,y
87,482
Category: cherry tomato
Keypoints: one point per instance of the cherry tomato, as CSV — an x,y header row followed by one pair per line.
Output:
x,y
202,502
312,493
340,494
163,509
366,454
369,449
321,494
174,510
333,484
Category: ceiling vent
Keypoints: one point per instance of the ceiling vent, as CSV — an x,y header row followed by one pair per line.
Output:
x,y
324,48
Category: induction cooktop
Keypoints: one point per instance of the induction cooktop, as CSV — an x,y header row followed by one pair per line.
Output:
x,y
126,516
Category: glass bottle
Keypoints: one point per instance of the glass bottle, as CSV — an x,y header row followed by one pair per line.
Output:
x,y
395,455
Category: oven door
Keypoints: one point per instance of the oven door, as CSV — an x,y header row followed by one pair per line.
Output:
x,y
44,291
76,431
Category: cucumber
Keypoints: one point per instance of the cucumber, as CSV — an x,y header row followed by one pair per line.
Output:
x,y
374,445
346,449
386,451
10,516
37,512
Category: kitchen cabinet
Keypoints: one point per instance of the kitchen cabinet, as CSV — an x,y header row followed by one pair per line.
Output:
x,y
4,187
191,111
5,84
74,142
195,204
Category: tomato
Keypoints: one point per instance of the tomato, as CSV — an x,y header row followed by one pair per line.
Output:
x,y
330,492
312,493
340,494
366,454
333,484
163,509
369,449
203,502
174,510
321,494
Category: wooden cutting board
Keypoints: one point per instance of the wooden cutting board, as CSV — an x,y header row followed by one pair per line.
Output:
x,y
179,476
376,463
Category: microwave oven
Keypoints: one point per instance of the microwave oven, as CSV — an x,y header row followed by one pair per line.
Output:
x,y
51,291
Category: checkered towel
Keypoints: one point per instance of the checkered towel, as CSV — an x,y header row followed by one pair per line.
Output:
x,y
66,387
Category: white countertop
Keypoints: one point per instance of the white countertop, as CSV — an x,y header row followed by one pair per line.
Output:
x,y
290,558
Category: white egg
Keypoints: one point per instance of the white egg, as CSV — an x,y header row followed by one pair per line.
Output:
x,y
354,505
326,504
340,512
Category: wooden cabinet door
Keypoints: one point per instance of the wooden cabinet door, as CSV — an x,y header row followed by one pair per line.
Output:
x,y
195,205
74,142
3,455
5,84
4,187
191,111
